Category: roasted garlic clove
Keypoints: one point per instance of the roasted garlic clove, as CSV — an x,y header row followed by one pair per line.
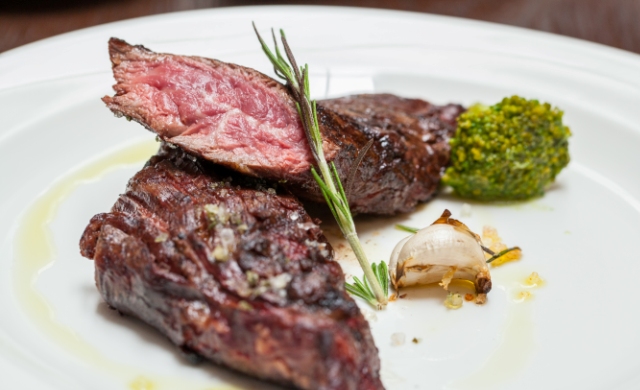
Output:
x,y
444,251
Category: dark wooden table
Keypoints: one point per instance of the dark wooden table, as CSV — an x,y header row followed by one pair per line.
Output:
x,y
611,22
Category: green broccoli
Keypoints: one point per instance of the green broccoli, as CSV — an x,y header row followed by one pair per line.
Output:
x,y
508,151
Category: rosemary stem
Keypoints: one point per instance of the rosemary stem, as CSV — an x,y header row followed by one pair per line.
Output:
x,y
349,231
329,182
374,303
353,240
326,174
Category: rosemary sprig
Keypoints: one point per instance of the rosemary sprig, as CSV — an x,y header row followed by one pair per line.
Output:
x,y
362,289
297,79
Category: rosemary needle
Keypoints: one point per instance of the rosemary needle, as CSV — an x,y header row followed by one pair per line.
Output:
x,y
375,287
406,228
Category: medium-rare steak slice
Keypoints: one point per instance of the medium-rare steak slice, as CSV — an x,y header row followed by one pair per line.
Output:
x,y
233,271
241,118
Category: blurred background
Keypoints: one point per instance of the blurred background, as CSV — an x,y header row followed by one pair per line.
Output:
x,y
610,22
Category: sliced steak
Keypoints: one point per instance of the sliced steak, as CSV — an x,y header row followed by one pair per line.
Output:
x,y
233,271
245,120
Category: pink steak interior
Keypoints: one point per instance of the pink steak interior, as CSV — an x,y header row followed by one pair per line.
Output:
x,y
222,112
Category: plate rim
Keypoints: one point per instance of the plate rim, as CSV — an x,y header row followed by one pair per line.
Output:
x,y
36,46
548,40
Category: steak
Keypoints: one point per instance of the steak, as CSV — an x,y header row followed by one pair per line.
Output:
x,y
233,271
245,120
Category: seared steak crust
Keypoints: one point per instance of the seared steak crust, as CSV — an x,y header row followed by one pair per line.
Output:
x,y
408,155
233,271
243,119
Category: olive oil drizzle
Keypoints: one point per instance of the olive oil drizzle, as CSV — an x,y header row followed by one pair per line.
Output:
x,y
517,343
34,250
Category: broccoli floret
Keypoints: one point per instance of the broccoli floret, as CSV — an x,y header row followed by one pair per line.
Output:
x,y
508,151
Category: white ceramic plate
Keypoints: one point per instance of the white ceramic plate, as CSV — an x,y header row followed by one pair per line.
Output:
x,y
579,330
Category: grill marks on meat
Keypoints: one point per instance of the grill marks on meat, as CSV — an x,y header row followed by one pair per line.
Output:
x,y
237,273
240,118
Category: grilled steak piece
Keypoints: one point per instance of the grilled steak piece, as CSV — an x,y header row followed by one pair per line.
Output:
x,y
409,153
232,271
242,119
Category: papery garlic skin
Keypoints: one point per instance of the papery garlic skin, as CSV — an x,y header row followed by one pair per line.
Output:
x,y
441,252
393,261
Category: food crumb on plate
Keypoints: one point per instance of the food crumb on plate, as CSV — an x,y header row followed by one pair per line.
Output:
x,y
523,296
397,339
534,280
492,240
369,315
453,301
